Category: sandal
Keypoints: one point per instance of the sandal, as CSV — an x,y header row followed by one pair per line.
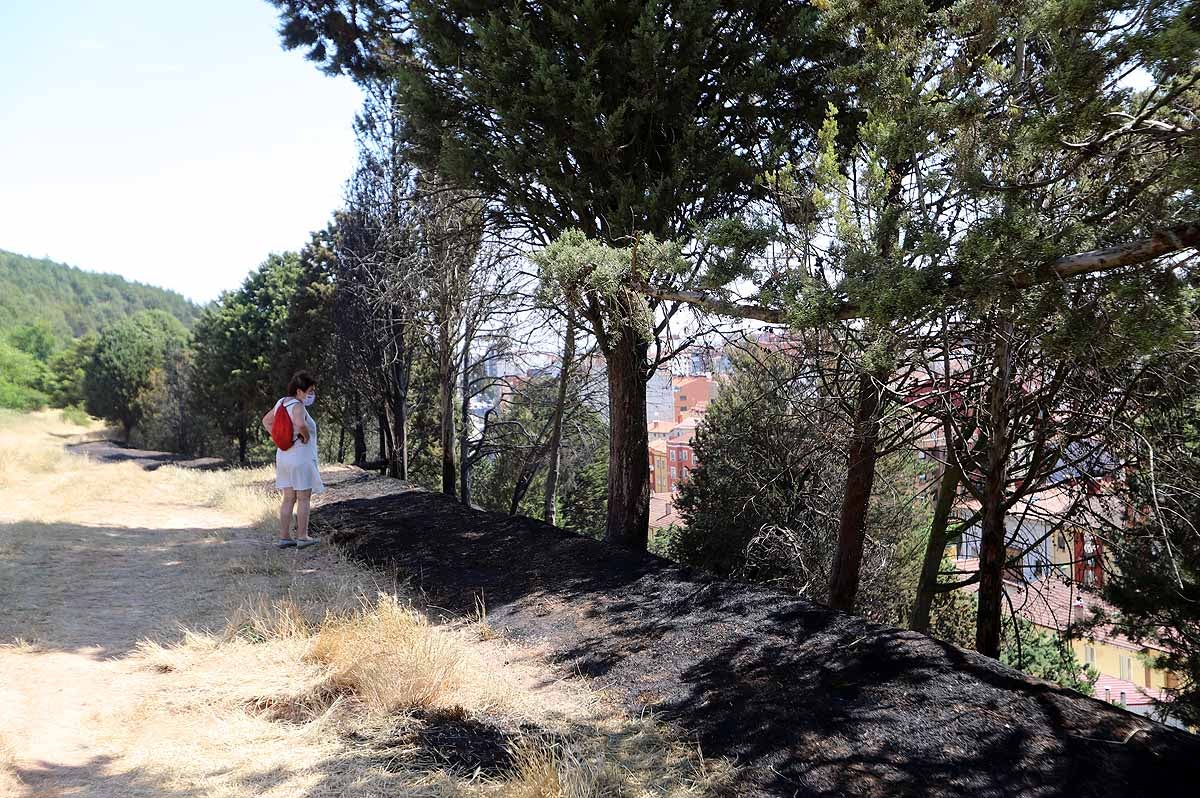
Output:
x,y
304,543
284,543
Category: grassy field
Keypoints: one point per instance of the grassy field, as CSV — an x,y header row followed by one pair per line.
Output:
x,y
155,644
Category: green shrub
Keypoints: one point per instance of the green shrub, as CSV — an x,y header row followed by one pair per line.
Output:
x,y
75,414
21,377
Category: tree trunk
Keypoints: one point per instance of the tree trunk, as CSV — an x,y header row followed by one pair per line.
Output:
x,y
397,416
549,512
464,434
992,552
382,443
360,442
386,444
243,440
446,406
341,449
860,479
401,434
935,549
393,463
525,478
628,521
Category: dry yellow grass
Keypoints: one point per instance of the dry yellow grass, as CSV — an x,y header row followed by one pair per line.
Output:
x,y
387,655
195,659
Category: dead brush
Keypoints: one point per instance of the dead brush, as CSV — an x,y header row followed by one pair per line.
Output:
x,y
545,768
483,628
637,756
161,658
314,703
387,655
23,645
260,618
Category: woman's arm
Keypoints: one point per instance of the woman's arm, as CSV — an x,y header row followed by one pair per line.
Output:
x,y
299,423
268,420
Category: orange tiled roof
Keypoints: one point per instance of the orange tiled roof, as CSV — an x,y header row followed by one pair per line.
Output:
x,y
662,511
1055,602
1135,695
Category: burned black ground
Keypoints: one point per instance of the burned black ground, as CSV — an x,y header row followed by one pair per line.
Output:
x,y
446,740
805,700
116,452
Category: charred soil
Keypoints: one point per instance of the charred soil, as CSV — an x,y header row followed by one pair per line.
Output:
x,y
806,700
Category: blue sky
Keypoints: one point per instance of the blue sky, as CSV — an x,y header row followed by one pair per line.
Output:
x,y
171,142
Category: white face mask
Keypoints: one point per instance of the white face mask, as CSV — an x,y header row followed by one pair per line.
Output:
x,y
309,398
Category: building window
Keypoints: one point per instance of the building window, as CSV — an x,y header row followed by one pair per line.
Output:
x,y
672,472
1126,670
1014,569
672,455
1147,674
683,398
1089,655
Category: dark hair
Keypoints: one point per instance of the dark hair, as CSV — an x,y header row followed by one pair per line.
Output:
x,y
301,381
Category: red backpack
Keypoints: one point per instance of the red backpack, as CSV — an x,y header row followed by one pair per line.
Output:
x,y
282,431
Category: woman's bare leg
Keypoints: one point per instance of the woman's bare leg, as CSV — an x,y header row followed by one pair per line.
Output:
x,y
285,514
302,499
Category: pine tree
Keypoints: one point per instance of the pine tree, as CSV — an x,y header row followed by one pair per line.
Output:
x,y
1154,581
612,118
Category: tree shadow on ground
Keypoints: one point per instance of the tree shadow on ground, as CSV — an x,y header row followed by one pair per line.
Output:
x,y
808,701
110,451
100,590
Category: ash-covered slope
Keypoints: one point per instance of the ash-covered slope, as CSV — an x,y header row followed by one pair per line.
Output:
x,y
806,700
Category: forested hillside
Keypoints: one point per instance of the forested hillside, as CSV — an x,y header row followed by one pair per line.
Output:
x,y
73,302
50,317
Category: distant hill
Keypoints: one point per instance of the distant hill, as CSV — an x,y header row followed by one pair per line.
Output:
x,y
74,302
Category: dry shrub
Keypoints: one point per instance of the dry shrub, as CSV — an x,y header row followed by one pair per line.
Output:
x,y
22,645
307,706
260,618
640,757
176,657
548,769
388,655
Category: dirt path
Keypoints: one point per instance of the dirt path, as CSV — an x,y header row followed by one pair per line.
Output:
x,y
88,569
154,643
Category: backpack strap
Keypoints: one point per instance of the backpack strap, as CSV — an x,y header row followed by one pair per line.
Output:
x,y
284,404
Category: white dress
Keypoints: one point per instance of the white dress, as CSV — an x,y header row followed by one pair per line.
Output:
x,y
297,467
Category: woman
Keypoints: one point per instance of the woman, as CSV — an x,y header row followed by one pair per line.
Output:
x,y
296,471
